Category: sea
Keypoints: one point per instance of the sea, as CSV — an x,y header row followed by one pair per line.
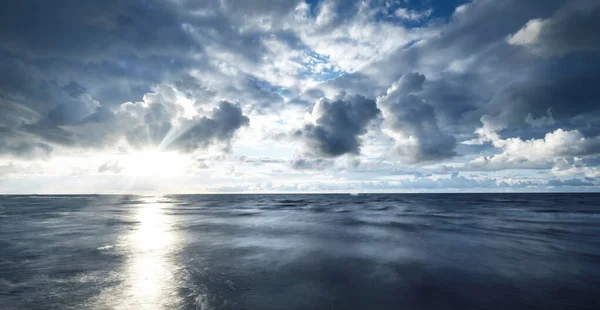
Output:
x,y
333,251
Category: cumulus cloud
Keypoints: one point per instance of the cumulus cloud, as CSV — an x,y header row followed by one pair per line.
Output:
x,y
225,120
413,123
534,153
165,125
335,126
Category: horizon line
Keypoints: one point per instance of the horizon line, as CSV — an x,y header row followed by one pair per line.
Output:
x,y
294,193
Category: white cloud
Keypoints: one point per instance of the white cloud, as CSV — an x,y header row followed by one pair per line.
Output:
x,y
534,153
528,35
349,43
576,168
412,14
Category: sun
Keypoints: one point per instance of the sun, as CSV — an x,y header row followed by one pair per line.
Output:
x,y
153,162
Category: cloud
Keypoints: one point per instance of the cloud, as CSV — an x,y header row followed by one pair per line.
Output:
x,y
38,115
412,14
542,121
413,123
534,153
571,29
571,94
231,81
91,30
28,98
311,163
112,166
528,34
348,33
335,127
25,150
576,167
556,143
570,182
166,125
225,120
20,145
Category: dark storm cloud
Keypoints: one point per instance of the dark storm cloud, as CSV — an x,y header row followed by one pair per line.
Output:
x,y
568,95
563,84
563,81
119,49
571,29
338,125
89,30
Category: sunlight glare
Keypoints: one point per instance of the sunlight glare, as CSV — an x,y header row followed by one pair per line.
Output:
x,y
153,163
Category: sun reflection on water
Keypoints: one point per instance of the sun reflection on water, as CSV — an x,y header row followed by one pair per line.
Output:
x,y
148,280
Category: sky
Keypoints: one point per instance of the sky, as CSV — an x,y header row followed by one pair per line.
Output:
x,y
232,96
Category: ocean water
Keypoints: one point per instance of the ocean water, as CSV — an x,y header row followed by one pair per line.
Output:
x,y
408,251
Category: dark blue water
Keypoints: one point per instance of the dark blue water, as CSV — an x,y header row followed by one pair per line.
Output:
x,y
475,251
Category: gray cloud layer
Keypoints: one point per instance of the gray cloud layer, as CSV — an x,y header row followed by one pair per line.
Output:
x,y
184,75
567,31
